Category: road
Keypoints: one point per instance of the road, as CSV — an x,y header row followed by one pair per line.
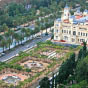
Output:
x,y
13,53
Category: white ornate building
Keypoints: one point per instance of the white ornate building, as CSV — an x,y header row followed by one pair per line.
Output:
x,y
72,29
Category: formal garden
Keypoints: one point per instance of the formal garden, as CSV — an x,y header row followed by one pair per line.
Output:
x,y
25,69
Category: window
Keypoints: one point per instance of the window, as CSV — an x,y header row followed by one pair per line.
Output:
x,y
69,32
57,30
78,33
73,40
78,40
65,38
86,34
64,31
56,37
74,32
83,34
82,40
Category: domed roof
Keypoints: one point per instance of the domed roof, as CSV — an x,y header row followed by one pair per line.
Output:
x,y
85,10
78,11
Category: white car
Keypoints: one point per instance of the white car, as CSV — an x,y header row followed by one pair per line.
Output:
x,y
2,54
38,87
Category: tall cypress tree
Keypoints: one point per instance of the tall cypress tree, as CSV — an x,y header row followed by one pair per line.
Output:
x,y
84,50
80,54
66,69
44,83
52,86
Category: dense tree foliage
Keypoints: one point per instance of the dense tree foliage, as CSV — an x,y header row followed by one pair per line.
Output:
x,y
82,70
82,84
67,69
75,70
45,83
15,14
38,3
83,52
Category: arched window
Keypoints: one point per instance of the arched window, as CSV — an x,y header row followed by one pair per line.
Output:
x,y
74,32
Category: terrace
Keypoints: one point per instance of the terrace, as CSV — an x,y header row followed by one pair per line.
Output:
x,y
53,53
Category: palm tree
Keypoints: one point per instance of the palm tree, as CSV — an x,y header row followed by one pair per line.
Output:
x,y
37,29
38,23
9,41
3,43
46,11
41,11
7,34
21,38
42,25
1,37
16,37
46,26
32,33
11,32
15,23
8,38
27,33
50,25
23,32
5,27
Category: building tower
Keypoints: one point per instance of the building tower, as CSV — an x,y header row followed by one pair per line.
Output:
x,y
66,14
85,13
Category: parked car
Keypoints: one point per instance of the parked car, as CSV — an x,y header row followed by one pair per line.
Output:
x,y
2,54
39,37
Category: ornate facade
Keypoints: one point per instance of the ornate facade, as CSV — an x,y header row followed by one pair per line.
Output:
x,y
72,29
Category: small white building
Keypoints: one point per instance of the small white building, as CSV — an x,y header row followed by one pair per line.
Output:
x,y
72,29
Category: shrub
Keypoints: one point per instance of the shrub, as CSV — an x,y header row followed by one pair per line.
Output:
x,y
28,70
